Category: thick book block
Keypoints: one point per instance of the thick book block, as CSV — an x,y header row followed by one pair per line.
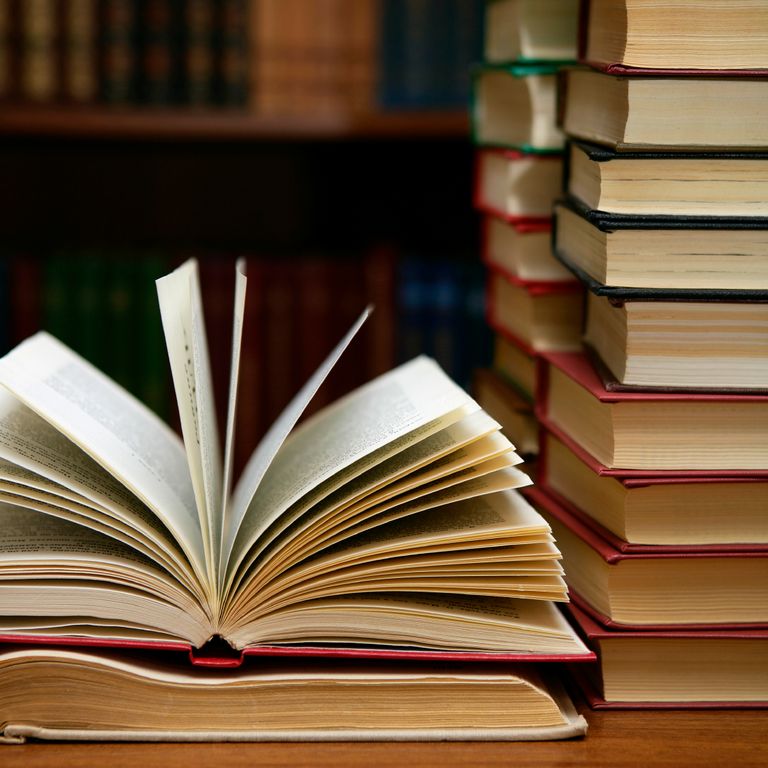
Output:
x,y
638,514
664,113
637,36
522,250
663,588
514,107
517,186
531,30
644,433
536,316
673,669
82,696
667,183
663,257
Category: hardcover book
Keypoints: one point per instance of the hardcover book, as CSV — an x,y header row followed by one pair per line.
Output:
x,y
531,30
667,344
664,113
667,183
659,588
516,186
522,250
643,433
671,669
387,520
536,316
639,514
64,694
514,107
672,257
629,36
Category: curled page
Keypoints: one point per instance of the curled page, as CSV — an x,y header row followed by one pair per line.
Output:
x,y
267,449
181,308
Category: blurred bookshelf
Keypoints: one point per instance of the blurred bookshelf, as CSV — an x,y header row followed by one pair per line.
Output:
x,y
220,124
338,163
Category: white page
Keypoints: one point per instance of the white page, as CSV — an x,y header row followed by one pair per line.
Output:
x,y
372,416
112,427
267,449
181,309
241,282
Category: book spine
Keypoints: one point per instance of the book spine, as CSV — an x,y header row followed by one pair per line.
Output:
x,y
118,48
379,267
39,38
7,50
232,46
199,72
79,45
360,62
89,306
160,32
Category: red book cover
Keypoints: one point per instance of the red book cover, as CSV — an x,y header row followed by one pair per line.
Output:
x,y
593,633
578,368
225,657
613,556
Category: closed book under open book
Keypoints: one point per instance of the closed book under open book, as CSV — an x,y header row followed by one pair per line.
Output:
x,y
49,693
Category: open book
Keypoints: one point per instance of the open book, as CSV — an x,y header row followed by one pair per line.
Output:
x,y
388,519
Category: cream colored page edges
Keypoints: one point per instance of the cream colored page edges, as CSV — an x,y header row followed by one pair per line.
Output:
x,y
181,309
111,426
378,413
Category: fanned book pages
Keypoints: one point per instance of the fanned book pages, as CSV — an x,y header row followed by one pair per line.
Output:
x,y
388,520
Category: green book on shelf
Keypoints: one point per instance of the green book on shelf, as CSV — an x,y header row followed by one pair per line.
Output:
x,y
515,106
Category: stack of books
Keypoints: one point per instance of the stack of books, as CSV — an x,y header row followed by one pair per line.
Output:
x,y
533,303
374,574
654,466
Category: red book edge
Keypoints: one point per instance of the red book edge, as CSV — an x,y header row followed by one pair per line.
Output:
x,y
532,287
199,657
625,70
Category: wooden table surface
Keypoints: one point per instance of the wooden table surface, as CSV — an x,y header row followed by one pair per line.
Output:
x,y
705,739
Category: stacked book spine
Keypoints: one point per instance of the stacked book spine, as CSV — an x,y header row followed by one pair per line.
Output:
x,y
534,304
653,469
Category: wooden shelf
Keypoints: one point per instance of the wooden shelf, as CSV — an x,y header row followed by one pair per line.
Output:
x,y
213,125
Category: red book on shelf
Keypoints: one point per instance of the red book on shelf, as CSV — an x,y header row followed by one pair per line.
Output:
x,y
651,434
654,590
536,316
672,661
519,187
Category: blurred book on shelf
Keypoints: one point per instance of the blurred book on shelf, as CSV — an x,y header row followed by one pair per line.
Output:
x,y
294,58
